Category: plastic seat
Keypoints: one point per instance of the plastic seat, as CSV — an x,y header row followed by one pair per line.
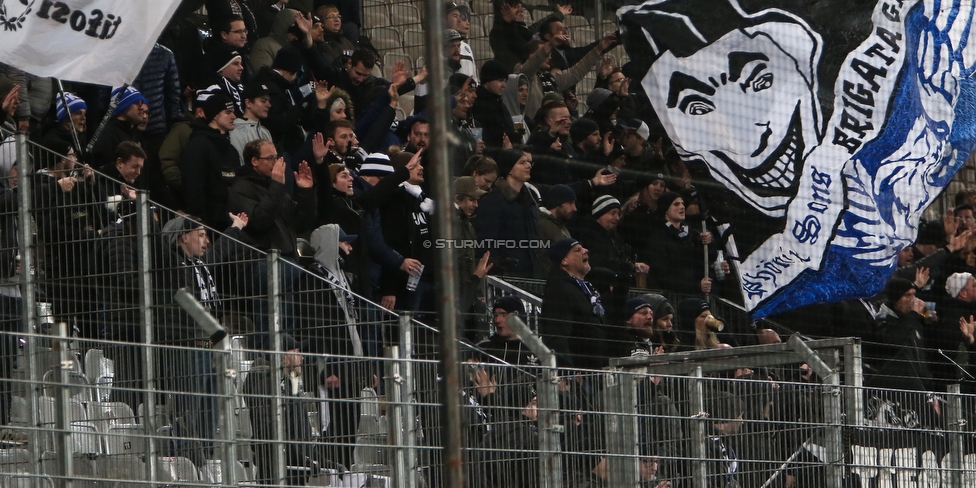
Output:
x,y
583,35
389,61
404,16
175,469
125,439
79,386
385,38
106,414
481,7
571,21
212,472
413,42
375,16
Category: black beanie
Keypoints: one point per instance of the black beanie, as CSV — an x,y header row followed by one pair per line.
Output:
x,y
665,201
897,288
493,70
688,310
506,159
660,305
510,304
218,102
582,128
288,59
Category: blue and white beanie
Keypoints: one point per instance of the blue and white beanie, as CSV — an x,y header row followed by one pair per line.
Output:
x,y
130,96
75,103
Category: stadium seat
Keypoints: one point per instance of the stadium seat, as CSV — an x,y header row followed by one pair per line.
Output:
x,y
385,38
390,59
582,36
571,21
171,468
413,42
376,16
481,7
404,16
106,414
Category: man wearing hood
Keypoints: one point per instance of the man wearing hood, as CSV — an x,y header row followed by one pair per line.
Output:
x,y
259,190
208,162
264,50
341,377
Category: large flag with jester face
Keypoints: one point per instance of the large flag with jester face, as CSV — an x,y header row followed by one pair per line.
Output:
x,y
821,130
96,41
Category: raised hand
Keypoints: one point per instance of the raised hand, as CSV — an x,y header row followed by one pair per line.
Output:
x,y
278,171
319,149
303,177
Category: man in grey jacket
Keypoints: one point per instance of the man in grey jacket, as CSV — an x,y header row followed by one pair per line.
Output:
x,y
257,104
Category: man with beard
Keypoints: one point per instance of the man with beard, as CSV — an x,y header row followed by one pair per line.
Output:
x,y
418,133
634,339
122,127
587,143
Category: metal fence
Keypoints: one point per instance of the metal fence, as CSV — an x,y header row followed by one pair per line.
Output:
x,y
275,376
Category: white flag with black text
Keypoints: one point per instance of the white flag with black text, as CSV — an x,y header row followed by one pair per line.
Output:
x,y
95,41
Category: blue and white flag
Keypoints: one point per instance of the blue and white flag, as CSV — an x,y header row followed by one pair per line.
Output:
x,y
820,130
95,41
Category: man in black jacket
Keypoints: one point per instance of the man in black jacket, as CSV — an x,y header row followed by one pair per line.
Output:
x,y
573,323
122,127
209,161
489,111
276,219
610,253
287,103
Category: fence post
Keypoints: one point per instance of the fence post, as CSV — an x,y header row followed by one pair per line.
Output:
x,y
696,397
620,397
226,392
834,420
408,395
143,223
958,437
274,331
63,407
550,430
854,381
25,239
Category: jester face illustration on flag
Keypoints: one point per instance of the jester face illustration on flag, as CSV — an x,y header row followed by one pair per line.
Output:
x,y
837,151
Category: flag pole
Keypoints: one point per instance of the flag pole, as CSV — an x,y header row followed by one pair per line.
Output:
x,y
71,124
108,116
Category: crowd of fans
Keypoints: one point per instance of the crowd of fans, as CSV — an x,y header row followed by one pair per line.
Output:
x,y
276,127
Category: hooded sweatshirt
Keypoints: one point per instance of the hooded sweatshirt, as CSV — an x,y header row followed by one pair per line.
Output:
x,y
264,51
325,241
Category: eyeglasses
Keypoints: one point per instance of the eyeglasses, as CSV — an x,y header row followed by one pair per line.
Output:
x,y
618,80
333,17
239,31
272,157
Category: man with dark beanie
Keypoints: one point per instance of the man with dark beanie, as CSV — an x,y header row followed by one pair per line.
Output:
x,y
489,110
897,358
287,103
508,213
209,161
572,322
674,250
504,344
586,143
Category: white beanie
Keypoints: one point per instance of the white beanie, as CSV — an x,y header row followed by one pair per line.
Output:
x,y
956,282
